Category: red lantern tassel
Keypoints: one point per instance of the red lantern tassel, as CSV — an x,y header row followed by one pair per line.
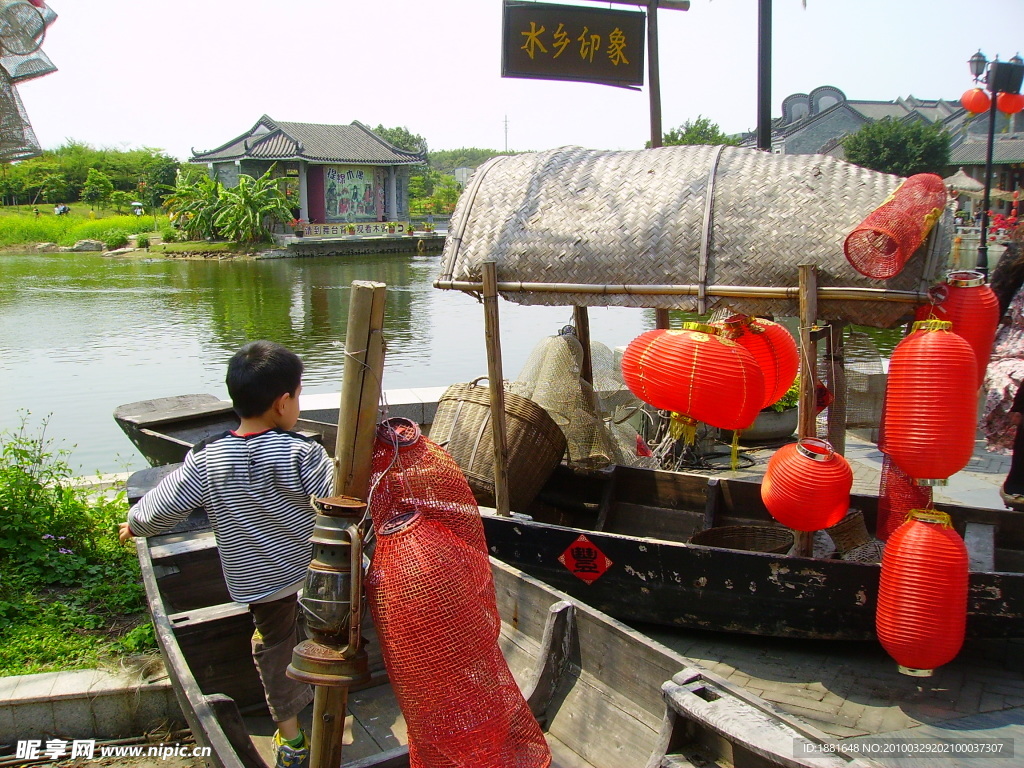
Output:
x,y
922,593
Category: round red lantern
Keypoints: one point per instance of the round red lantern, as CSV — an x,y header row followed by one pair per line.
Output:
x,y
975,100
1010,103
928,421
972,307
772,346
695,372
922,593
807,485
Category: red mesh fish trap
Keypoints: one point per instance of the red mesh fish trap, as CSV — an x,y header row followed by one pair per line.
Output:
x,y
897,495
882,244
410,472
432,600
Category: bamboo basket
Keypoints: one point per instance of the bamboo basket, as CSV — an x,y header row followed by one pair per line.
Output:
x,y
750,538
535,443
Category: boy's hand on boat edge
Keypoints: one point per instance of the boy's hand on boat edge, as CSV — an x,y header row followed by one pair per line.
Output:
x,y
124,532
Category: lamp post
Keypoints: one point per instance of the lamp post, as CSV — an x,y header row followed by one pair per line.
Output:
x,y
1001,77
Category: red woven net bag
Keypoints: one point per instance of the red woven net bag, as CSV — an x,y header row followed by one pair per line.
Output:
x,y
410,472
880,245
897,495
432,600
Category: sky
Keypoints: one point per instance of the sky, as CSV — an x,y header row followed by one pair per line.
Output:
x,y
179,75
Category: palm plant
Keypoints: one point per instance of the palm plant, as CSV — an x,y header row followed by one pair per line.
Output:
x,y
247,211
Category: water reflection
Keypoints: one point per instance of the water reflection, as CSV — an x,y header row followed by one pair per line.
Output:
x,y
81,334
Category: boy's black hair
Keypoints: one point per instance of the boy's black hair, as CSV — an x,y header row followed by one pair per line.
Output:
x,y
259,373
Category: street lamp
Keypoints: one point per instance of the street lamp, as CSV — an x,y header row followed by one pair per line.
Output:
x,y
1002,77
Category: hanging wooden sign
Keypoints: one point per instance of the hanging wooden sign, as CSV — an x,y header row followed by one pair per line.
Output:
x,y
565,42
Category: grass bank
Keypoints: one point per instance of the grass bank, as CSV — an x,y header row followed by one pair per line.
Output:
x,y
20,226
71,597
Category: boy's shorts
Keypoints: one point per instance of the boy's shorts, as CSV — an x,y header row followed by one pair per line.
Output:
x,y
277,633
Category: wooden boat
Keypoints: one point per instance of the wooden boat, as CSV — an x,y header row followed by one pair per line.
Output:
x,y
606,696
637,524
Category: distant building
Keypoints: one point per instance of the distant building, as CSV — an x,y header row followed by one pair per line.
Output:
x,y
341,173
816,123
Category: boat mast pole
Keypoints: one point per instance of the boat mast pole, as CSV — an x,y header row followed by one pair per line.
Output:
x,y
654,91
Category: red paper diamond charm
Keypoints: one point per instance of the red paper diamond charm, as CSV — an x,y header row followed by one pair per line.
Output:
x,y
585,560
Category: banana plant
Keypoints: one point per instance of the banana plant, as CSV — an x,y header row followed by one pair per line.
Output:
x,y
248,211
194,203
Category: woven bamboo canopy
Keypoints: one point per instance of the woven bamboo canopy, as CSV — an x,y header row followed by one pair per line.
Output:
x,y
690,227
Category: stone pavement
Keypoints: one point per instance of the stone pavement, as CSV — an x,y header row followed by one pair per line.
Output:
x,y
853,690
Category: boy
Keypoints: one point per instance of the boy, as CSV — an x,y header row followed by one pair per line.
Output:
x,y
255,484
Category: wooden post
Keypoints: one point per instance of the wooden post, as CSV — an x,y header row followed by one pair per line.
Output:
x,y
837,383
803,541
360,388
492,334
357,423
581,321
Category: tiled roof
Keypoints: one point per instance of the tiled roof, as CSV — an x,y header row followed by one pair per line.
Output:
x,y
1004,150
272,140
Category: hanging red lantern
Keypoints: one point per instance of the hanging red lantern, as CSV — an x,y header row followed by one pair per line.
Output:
x,y
922,593
975,100
972,307
1010,103
807,485
928,421
772,346
695,372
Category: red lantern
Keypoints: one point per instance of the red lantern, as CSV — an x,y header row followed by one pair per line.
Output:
x,y
922,593
1010,103
697,373
975,100
973,309
773,348
931,398
807,485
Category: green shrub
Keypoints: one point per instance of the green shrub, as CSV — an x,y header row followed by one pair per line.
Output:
x,y
67,583
168,235
142,241
115,239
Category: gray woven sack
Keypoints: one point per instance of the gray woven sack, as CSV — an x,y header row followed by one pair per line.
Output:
x,y
702,217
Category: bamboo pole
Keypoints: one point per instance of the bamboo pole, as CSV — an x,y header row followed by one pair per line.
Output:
x,y
803,541
836,356
828,293
581,321
492,334
357,422
360,388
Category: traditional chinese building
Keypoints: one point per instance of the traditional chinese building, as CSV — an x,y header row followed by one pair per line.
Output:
x,y
341,173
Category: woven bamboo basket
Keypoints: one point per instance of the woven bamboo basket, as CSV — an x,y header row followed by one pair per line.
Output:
x,y
750,538
535,444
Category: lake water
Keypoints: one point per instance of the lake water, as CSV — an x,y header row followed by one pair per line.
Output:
x,y
81,334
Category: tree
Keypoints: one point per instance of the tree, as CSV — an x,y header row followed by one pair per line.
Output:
x,y
54,188
402,138
97,188
120,200
194,202
893,146
699,131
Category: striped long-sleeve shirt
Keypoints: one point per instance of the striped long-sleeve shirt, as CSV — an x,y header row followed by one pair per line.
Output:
x,y
256,490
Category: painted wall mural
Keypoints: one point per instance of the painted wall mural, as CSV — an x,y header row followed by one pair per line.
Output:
x,y
353,193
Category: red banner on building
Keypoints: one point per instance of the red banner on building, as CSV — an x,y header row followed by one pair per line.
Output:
x,y
565,42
